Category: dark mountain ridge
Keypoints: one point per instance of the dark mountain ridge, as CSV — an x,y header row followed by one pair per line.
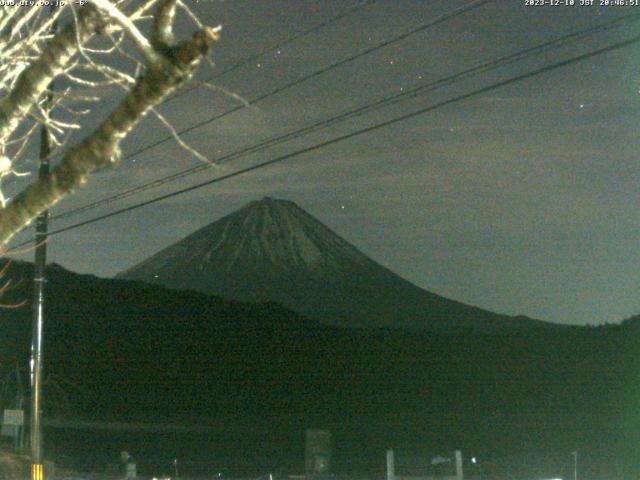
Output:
x,y
272,250
139,352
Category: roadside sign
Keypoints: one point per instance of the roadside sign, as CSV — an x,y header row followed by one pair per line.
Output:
x,y
11,423
13,417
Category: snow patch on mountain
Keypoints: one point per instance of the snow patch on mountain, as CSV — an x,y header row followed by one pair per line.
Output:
x,y
272,250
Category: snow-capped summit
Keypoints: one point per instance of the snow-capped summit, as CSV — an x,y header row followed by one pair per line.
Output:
x,y
275,234
268,236
272,250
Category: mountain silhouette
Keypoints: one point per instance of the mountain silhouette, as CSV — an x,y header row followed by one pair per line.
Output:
x,y
273,250
259,375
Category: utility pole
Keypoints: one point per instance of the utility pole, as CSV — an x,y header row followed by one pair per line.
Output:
x,y
575,465
39,280
19,439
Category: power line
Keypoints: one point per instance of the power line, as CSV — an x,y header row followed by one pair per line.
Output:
x,y
252,58
441,19
356,133
276,47
385,101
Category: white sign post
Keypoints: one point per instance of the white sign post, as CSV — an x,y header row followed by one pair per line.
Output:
x,y
11,422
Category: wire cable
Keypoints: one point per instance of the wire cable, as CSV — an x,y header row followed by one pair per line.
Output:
x,y
276,47
264,51
383,102
402,118
441,19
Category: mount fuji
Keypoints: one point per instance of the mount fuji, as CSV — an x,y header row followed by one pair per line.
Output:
x,y
273,250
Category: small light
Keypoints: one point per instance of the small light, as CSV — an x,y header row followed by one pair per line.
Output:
x,y
474,460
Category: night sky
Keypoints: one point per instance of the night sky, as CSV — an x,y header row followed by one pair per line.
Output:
x,y
523,200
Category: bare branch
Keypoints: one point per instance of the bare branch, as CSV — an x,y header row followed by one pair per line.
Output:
x,y
141,42
162,36
182,143
8,13
34,80
142,11
23,142
224,91
101,148
191,15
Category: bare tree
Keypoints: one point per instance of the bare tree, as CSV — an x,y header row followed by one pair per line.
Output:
x,y
86,52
